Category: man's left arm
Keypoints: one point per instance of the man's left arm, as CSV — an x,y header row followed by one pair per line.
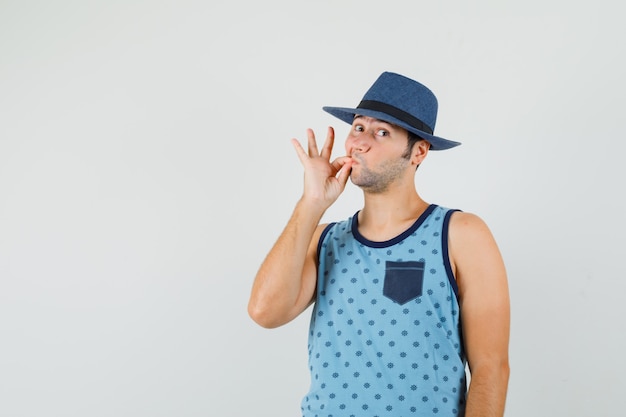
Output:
x,y
485,312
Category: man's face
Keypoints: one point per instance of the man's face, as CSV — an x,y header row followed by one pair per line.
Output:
x,y
377,150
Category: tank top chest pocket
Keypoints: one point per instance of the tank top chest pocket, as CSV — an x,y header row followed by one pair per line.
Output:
x,y
403,280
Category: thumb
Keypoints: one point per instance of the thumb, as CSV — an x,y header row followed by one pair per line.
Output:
x,y
344,172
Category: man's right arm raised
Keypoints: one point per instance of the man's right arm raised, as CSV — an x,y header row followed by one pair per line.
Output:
x,y
285,283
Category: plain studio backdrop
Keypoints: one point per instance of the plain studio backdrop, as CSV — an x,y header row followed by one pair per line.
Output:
x,y
146,170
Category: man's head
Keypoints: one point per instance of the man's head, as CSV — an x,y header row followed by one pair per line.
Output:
x,y
403,102
383,154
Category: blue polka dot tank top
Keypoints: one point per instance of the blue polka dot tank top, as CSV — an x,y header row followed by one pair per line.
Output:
x,y
385,336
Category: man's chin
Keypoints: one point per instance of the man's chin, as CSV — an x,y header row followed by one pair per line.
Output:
x,y
355,180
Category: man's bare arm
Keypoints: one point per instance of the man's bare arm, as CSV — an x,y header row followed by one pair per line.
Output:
x,y
485,313
285,283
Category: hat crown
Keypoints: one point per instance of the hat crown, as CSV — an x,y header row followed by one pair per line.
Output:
x,y
405,94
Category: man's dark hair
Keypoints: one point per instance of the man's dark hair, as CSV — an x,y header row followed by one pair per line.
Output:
x,y
412,140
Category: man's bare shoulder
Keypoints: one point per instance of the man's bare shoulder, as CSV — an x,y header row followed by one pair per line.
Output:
x,y
315,240
472,246
466,225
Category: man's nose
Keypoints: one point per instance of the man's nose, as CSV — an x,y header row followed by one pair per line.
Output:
x,y
361,143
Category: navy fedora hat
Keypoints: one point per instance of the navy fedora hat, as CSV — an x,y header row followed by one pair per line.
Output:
x,y
396,99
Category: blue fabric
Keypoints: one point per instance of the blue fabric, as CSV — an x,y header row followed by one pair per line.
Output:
x,y
406,96
385,335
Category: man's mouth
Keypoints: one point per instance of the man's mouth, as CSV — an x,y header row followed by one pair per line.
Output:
x,y
356,158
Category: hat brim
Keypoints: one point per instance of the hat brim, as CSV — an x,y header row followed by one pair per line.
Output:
x,y
347,115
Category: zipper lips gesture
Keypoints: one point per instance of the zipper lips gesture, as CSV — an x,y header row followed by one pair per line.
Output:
x,y
324,180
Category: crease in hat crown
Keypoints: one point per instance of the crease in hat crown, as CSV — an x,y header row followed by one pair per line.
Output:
x,y
401,101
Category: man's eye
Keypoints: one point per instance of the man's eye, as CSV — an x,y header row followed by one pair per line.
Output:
x,y
358,128
382,132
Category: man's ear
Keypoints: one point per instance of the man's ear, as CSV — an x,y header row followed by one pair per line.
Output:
x,y
419,151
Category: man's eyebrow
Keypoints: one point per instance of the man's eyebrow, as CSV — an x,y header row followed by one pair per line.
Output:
x,y
360,116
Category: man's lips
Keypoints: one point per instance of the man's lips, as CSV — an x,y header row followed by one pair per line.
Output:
x,y
356,158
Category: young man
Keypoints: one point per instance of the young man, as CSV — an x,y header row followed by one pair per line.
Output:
x,y
406,292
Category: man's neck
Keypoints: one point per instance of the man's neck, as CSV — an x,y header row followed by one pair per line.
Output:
x,y
386,215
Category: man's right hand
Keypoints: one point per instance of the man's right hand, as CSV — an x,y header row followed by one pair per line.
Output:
x,y
324,181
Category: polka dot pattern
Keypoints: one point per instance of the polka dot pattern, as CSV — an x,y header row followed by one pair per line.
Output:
x,y
385,336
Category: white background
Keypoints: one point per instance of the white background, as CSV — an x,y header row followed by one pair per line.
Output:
x,y
146,169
